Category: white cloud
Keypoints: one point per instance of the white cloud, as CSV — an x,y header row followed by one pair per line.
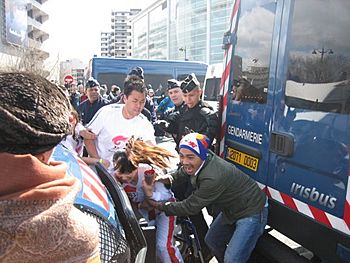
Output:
x,y
254,36
75,26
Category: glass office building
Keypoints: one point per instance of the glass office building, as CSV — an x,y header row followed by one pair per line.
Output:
x,y
182,30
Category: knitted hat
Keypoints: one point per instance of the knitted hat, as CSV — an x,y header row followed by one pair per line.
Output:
x,y
197,143
173,83
189,83
34,114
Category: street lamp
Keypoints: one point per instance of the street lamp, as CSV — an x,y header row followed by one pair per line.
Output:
x,y
322,52
183,49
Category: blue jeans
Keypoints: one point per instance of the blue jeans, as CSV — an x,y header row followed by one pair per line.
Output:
x,y
233,243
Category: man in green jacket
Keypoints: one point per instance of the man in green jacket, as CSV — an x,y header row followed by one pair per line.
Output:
x,y
241,204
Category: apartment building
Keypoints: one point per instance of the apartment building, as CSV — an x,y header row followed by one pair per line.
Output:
x,y
22,33
118,42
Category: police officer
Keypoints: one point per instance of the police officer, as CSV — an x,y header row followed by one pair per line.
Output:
x,y
169,122
176,96
89,107
198,116
195,116
74,96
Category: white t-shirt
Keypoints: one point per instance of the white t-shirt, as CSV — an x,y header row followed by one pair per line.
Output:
x,y
113,130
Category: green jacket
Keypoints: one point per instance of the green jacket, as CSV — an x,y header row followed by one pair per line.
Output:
x,y
221,185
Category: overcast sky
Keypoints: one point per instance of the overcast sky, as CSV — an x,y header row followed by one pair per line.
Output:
x,y
75,26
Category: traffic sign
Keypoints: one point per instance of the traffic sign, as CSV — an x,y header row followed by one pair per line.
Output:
x,y
68,79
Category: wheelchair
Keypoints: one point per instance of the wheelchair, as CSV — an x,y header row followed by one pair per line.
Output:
x,y
186,239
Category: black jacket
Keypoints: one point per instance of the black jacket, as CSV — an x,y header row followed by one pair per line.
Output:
x,y
87,110
201,118
172,117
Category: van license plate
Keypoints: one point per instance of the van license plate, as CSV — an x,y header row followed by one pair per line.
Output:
x,y
243,159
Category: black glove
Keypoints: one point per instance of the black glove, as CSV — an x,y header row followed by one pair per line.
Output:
x,y
162,124
169,110
172,117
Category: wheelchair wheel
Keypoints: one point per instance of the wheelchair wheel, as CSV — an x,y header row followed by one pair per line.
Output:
x,y
186,243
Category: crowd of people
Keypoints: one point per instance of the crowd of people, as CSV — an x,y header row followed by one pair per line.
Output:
x,y
119,131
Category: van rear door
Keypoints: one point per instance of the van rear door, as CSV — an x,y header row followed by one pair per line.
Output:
x,y
288,116
308,168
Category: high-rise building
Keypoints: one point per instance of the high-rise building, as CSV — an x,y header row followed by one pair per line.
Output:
x,y
107,44
181,30
78,74
118,42
22,32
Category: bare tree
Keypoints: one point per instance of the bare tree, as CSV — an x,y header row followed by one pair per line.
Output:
x,y
314,70
29,59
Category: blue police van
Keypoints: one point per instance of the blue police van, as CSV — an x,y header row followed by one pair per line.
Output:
x,y
111,71
286,115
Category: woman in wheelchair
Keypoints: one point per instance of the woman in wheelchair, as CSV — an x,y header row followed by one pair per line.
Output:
x,y
141,162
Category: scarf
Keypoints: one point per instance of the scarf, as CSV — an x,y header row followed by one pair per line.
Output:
x,y
38,220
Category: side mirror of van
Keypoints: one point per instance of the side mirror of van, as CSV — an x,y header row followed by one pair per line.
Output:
x,y
229,39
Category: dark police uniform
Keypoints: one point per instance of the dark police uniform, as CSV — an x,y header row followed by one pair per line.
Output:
x,y
201,118
87,109
171,121
75,100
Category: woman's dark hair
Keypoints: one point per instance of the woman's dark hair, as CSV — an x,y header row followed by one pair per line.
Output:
x,y
122,163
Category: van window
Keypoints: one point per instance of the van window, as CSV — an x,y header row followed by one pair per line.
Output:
x,y
319,57
159,82
212,87
252,52
157,72
112,78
